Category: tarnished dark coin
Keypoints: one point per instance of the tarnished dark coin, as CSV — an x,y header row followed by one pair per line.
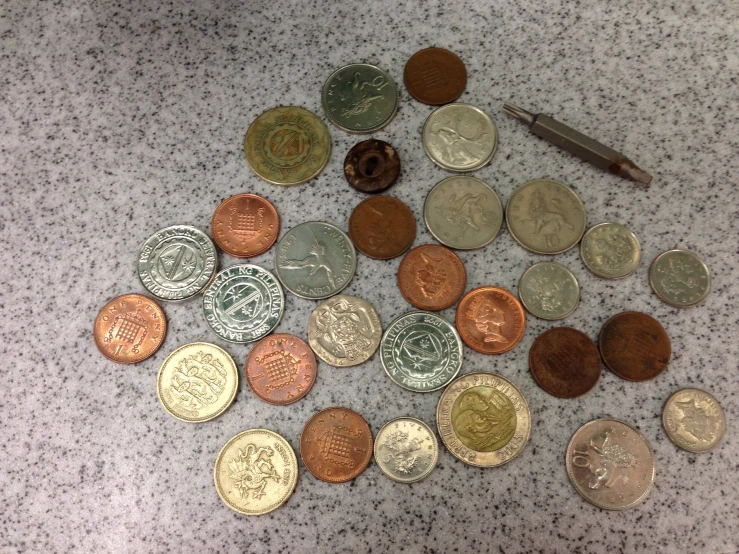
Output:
x,y
372,166
634,346
565,362
435,76
382,227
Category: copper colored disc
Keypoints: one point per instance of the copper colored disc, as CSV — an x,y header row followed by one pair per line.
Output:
x,y
634,346
435,76
565,362
372,166
490,320
245,225
336,445
431,277
382,227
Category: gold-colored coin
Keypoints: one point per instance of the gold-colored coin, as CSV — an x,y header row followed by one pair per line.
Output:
x,y
197,382
256,472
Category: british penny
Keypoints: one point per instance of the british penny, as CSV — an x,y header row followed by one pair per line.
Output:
x,y
372,166
490,320
129,328
431,277
435,76
382,227
336,445
694,420
281,369
245,225
634,346
565,362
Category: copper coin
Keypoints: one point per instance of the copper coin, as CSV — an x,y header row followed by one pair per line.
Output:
x,y
435,76
372,166
565,362
129,328
281,369
490,320
431,277
336,445
245,225
634,346
382,227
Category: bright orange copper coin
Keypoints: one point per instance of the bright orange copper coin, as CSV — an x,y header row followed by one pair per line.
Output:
x,y
129,328
431,277
490,320
245,225
281,369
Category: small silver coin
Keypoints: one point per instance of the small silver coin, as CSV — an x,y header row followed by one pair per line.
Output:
x,y
315,260
549,290
406,450
680,278
244,303
694,420
177,262
610,250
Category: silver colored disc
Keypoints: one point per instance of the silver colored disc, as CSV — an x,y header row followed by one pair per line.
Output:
x,y
610,250
406,450
549,290
694,420
680,278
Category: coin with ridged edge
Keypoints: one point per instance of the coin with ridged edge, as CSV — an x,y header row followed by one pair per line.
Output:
x,y
406,450
549,291
610,250
694,420
680,278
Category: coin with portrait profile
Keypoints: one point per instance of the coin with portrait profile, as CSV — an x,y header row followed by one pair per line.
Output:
x,y
490,320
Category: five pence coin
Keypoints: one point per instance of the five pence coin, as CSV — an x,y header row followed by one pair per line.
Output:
x,y
680,278
694,420
406,450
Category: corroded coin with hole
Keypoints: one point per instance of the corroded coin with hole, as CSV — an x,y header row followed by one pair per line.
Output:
x,y
490,320
382,227
372,166
680,278
406,450
694,420
431,277
435,76
245,225
610,250
549,290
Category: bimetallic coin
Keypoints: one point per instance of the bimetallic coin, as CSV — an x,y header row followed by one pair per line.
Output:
x,y
177,263
372,166
483,419
197,382
610,250
435,76
256,472
610,464
431,277
244,303
382,227
490,320
245,225
680,278
463,212
549,290
406,450
545,216
694,420
421,351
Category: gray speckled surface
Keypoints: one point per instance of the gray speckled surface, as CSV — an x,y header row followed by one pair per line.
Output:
x,y
121,118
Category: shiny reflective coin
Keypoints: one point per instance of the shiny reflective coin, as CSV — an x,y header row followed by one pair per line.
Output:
x,y
245,225
483,419
315,260
694,420
372,166
177,263
610,250
610,464
490,320
360,98
431,277
460,137
421,351
256,472
545,216
344,330
680,278
406,450
197,382
463,212
287,145
435,76
244,303
549,290
382,227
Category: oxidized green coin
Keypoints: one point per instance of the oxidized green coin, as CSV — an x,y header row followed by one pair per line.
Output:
x,y
483,419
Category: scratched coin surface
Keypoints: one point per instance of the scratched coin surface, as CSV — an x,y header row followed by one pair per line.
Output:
x,y
431,277
610,250
382,227
406,450
197,382
344,330
483,419
336,445
694,420
435,76
680,278
177,262
245,225
463,212
490,320
546,216
610,464
372,166
256,472
549,290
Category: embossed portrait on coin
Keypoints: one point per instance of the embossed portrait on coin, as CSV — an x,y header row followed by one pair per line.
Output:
x,y
197,381
488,318
345,329
251,470
484,419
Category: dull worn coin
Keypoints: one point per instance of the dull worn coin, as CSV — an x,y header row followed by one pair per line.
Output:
x,y
382,227
431,277
549,290
610,250
372,166
680,278
406,450
435,76
694,420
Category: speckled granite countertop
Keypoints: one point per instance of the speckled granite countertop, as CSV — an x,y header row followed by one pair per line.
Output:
x,y
121,118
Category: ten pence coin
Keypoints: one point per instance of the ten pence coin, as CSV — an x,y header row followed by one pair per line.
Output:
x,y
435,76
372,166
406,450
694,420
490,320
382,227
610,250
680,278
245,225
549,291
431,277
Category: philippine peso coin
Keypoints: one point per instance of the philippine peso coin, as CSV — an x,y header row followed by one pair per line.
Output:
x,y
680,278
435,76
382,227
490,320
694,420
549,290
406,450
610,250
483,419
245,225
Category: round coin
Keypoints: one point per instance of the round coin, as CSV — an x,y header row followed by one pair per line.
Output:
x,y
610,464
129,328
490,320
256,472
245,225
382,227
610,250
421,351
634,346
336,445
287,145
372,166
431,277
435,76
694,420
545,216
344,330
406,450
197,382
549,291
680,278
483,419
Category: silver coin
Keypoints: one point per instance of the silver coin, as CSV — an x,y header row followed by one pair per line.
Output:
x,y
244,303
406,450
610,250
680,278
344,330
694,420
177,262
610,464
315,260
421,351
549,291
460,137
463,212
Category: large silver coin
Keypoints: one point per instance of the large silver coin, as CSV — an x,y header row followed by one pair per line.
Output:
x,y
177,262
549,291
244,303
694,420
463,212
406,450
315,260
610,250
680,278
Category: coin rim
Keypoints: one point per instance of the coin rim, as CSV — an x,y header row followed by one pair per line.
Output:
x,y
532,312
431,467
667,430
410,243
443,306
446,51
489,287
233,253
664,298
602,275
